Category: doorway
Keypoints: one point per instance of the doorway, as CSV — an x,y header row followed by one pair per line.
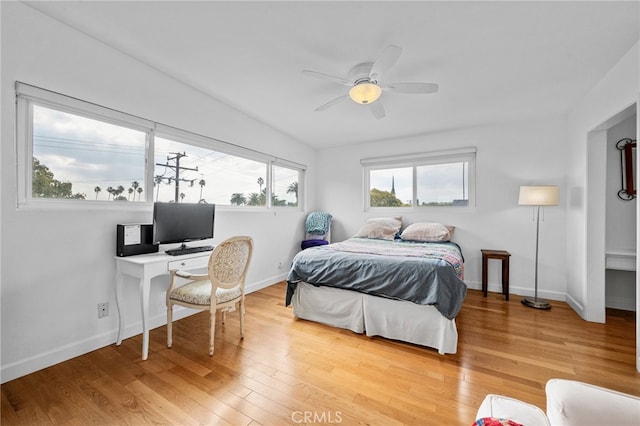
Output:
x,y
620,222
622,290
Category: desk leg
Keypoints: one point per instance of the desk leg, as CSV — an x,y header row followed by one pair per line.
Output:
x,y
119,279
485,284
145,284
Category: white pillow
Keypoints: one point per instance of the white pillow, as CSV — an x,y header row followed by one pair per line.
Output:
x,y
428,231
382,228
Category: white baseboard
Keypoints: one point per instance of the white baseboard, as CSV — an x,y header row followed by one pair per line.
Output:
x,y
63,353
54,356
576,306
37,362
518,291
250,288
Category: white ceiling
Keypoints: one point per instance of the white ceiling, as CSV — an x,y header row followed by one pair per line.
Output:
x,y
494,61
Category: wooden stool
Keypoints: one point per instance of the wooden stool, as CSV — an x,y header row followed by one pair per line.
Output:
x,y
504,257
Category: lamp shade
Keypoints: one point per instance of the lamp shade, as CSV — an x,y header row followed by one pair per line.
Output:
x,y
539,195
365,93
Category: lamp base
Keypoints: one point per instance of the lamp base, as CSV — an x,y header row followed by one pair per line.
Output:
x,y
535,302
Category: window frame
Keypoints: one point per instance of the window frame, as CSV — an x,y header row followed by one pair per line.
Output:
x,y
28,95
414,161
278,162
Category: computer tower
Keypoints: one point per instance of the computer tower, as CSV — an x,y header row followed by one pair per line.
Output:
x,y
132,239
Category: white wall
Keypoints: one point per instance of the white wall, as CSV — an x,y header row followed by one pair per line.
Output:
x,y
57,265
509,155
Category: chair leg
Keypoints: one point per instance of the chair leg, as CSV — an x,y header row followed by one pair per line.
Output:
x,y
241,311
212,331
169,325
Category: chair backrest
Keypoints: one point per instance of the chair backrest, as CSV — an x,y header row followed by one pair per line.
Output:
x,y
317,226
229,262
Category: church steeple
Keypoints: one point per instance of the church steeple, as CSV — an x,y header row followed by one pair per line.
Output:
x,y
393,185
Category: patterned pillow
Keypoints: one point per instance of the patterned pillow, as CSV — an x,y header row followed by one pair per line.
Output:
x,y
382,228
428,231
493,421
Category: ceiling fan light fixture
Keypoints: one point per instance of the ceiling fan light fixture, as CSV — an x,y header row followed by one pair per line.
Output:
x,y
365,92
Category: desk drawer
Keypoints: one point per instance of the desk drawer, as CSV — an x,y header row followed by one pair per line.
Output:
x,y
189,263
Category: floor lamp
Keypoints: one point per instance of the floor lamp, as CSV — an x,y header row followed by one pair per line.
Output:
x,y
538,196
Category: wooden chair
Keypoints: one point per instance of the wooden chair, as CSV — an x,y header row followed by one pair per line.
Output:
x,y
220,289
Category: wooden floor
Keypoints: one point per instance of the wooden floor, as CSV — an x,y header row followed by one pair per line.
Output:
x,y
289,371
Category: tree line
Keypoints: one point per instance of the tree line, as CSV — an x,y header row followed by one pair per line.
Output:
x,y
45,185
260,198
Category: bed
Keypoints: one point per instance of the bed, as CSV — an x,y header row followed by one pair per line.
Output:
x,y
404,286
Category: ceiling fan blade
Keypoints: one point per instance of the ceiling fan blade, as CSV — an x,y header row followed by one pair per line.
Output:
x,y
329,77
332,103
377,109
386,60
413,88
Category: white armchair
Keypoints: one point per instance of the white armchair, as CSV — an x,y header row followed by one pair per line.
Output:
x,y
576,403
569,403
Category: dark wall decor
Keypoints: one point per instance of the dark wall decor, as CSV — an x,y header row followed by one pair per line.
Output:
x,y
627,148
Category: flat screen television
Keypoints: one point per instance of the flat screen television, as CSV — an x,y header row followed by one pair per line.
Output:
x,y
182,223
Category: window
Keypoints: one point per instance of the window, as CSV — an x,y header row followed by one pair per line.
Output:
x,y
435,179
445,184
391,187
189,173
73,150
285,182
69,149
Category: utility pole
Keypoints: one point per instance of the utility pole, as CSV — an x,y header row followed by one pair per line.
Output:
x,y
177,169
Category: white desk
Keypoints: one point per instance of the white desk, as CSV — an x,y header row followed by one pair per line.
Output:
x,y
144,267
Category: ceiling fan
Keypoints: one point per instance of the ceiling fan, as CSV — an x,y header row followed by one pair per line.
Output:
x,y
366,86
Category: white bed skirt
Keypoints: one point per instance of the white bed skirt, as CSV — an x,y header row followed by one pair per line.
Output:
x,y
376,316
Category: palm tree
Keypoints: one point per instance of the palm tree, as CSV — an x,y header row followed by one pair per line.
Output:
x,y
134,186
119,190
293,189
156,182
139,192
238,199
96,190
111,192
202,183
260,182
254,199
182,195
130,191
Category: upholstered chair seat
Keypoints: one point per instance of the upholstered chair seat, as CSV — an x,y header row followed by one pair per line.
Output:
x,y
199,293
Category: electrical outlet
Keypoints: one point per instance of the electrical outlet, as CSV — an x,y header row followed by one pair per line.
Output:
x,y
279,265
103,310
